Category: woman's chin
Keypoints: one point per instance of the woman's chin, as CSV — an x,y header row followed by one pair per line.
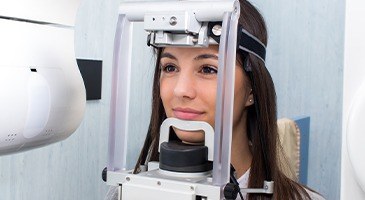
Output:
x,y
190,137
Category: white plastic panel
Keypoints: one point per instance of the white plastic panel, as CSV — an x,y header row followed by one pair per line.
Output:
x,y
353,91
14,98
356,136
51,11
39,104
47,104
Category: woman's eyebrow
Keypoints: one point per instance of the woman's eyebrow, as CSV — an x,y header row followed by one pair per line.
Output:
x,y
168,55
206,56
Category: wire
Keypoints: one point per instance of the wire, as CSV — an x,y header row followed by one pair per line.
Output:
x,y
234,180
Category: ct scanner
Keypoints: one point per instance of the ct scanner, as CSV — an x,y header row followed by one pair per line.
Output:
x,y
42,95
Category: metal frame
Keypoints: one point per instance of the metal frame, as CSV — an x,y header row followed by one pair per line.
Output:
x,y
177,23
133,12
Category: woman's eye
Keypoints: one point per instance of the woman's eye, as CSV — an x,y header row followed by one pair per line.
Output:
x,y
169,68
209,70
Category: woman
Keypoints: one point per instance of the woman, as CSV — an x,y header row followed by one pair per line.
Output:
x,y
185,83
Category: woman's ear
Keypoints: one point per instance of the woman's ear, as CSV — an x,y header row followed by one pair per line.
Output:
x,y
250,101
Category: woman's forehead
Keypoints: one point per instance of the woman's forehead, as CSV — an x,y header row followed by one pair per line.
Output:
x,y
192,51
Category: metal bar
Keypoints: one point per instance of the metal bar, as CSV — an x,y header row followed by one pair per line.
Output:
x,y
224,99
217,163
119,105
229,94
212,11
268,188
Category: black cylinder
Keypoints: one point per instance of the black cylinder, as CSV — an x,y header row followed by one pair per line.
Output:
x,y
180,157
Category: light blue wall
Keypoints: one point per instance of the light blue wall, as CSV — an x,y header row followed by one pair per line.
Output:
x,y
305,57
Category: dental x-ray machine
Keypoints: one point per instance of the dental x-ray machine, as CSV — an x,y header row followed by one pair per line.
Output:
x,y
42,95
192,24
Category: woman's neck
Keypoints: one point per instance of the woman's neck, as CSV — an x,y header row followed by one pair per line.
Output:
x,y
241,156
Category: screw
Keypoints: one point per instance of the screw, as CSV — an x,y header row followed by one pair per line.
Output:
x,y
173,21
127,178
217,30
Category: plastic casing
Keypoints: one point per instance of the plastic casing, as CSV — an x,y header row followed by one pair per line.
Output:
x,y
50,11
42,95
355,135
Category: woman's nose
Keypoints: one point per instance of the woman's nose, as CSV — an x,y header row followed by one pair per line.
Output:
x,y
185,86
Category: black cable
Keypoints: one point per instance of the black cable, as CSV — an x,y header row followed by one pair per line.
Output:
x,y
234,180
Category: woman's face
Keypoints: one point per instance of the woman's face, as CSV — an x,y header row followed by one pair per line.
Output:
x,y
188,87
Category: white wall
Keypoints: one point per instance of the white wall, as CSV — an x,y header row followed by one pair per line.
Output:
x,y
354,76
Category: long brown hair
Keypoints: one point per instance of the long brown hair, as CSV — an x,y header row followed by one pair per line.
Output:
x,y
261,119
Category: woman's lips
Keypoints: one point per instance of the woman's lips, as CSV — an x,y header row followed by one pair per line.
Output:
x,y
186,113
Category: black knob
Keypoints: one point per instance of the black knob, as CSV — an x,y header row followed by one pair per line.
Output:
x,y
230,191
103,174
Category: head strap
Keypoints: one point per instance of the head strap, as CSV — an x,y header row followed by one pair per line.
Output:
x,y
246,42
